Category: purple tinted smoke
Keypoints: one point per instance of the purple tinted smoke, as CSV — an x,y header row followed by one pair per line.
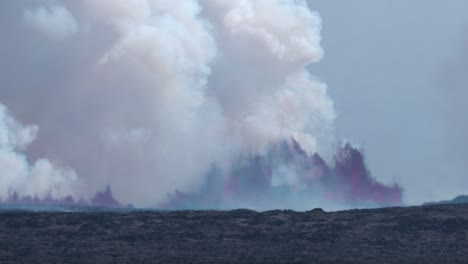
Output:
x,y
251,182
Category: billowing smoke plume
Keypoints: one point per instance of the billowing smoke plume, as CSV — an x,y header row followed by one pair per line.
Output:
x,y
148,95
41,179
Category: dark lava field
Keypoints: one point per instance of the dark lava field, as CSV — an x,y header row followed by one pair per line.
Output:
x,y
426,234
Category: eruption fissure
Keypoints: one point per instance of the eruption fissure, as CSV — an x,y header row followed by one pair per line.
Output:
x,y
307,181
151,94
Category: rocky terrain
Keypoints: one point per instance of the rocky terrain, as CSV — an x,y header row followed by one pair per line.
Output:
x,y
426,234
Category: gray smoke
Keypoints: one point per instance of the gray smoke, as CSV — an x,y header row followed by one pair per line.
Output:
x,y
147,94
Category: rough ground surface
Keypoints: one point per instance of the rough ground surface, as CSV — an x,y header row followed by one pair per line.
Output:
x,y
429,234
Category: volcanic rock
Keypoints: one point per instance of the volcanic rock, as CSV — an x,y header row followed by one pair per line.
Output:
x,y
425,234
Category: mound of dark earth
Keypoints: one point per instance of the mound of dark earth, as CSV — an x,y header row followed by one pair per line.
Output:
x,y
461,199
427,234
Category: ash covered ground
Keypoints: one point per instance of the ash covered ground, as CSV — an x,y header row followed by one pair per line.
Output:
x,y
425,234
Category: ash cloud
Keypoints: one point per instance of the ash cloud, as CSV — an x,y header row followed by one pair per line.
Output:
x,y
147,95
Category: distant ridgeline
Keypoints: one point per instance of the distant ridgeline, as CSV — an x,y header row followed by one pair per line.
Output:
x,y
457,200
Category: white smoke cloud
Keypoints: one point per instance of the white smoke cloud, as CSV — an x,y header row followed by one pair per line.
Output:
x,y
259,76
54,21
40,180
156,91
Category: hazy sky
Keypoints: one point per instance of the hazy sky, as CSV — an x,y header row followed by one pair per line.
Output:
x,y
396,71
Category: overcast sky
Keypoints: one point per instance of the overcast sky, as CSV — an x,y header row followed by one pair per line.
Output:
x,y
397,72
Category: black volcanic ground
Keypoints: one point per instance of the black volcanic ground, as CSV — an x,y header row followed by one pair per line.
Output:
x,y
428,234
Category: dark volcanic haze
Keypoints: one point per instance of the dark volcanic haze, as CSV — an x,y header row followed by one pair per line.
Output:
x,y
175,104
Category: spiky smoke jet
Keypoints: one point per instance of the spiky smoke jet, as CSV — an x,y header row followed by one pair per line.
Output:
x,y
287,177
147,95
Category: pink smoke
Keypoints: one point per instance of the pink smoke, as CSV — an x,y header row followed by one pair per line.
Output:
x,y
250,182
